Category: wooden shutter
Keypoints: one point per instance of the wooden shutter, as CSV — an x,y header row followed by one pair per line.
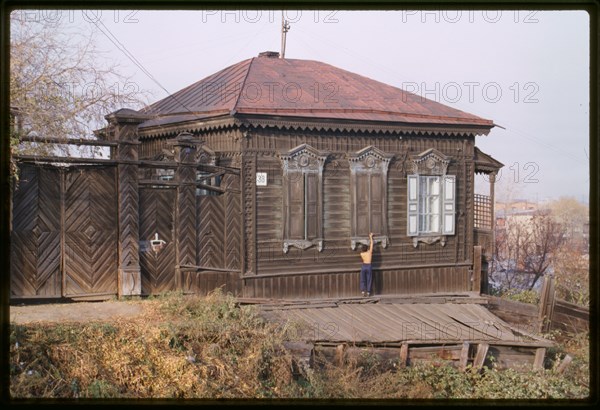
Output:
x,y
449,204
362,204
312,221
296,206
412,220
376,204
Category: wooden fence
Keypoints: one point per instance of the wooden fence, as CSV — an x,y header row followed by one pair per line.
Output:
x,y
565,316
86,230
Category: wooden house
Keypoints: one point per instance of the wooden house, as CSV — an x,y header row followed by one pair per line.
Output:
x,y
323,157
262,178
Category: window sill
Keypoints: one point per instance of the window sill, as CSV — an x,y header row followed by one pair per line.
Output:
x,y
302,244
429,239
383,239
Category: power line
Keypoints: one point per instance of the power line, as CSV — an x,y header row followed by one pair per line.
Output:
x,y
113,39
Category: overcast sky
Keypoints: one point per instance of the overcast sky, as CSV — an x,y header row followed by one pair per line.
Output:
x,y
527,71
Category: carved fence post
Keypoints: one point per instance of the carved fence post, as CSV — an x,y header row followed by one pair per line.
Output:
x,y
185,209
123,128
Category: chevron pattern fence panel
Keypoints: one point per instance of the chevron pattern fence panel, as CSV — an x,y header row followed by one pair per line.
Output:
x,y
156,216
35,253
210,224
90,231
233,223
64,232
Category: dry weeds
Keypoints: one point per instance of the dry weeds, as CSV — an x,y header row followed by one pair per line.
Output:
x,y
209,347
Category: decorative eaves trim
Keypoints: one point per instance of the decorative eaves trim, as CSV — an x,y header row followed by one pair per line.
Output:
x,y
310,125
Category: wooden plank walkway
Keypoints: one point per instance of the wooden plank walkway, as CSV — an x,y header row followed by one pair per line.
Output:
x,y
384,323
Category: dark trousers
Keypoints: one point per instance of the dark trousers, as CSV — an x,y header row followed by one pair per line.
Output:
x,y
366,277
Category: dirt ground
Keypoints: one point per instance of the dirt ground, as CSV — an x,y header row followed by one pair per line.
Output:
x,y
75,312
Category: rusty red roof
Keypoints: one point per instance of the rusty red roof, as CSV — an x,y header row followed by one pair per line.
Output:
x,y
271,86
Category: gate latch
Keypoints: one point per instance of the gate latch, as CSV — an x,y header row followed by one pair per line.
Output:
x,y
157,244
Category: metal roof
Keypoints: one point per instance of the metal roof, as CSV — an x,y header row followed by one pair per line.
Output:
x,y
382,323
301,88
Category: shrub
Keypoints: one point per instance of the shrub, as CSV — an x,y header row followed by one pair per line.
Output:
x,y
524,296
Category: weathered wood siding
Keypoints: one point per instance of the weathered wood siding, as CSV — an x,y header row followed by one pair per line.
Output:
x,y
332,284
239,234
401,268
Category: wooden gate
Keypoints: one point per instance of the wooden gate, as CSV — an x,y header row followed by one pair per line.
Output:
x,y
157,207
64,232
85,230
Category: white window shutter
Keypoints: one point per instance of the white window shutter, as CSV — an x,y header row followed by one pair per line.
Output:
x,y
412,220
449,207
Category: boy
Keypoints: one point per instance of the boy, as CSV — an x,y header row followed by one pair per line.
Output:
x,y
366,273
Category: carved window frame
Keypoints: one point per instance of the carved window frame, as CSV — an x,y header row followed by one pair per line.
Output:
x,y
300,162
427,164
369,161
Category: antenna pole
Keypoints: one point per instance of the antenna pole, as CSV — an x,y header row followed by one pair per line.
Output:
x,y
285,27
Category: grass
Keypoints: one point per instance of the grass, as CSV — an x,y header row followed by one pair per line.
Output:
x,y
187,347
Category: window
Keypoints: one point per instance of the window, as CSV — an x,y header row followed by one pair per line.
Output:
x,y
368,187
369,205
429,204
431,199
302,197
303,194
165,174
207,178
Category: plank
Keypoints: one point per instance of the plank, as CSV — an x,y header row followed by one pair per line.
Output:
x,y
482,349
538,362
477,268
404,354
564,363
464,356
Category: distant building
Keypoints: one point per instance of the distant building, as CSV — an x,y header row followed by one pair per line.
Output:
x,y
517,205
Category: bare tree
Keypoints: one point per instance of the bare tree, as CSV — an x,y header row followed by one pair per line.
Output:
x,y
525,246
547,236
61,85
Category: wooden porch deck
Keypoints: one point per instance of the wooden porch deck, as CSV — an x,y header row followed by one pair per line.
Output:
x,y
456,328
